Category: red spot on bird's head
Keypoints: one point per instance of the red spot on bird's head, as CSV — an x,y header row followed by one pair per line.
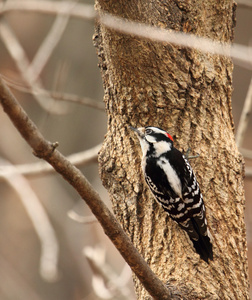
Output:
x,y
169,136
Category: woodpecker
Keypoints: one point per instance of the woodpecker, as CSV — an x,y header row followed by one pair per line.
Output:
x,y
174,185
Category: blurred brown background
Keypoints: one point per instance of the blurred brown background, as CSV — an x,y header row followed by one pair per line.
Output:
x,y
72,68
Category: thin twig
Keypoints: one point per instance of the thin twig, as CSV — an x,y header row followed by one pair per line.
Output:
x,y
243,123
105,281
50,42
56,95
241,54
83,11
40,221
77,99
81,219
246,153
42,168
73,176
248,172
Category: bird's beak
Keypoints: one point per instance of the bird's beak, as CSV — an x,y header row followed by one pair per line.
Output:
x,y
139,131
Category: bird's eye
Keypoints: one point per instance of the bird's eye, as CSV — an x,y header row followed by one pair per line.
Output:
x,y
148,131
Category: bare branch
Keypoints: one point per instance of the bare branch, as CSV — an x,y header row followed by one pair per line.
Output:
x,y
83,11
56,95
73,176
241,54
42,168
243,123
77,99
50,42
40,221
248,172
105,281
246,153
18,54
81,219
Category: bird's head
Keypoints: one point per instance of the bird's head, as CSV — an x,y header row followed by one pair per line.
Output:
x,y
153,139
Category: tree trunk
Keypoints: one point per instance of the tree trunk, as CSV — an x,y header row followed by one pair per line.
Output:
x,y
187,93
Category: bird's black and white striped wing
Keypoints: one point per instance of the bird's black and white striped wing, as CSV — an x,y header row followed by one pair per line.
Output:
x,y
187,207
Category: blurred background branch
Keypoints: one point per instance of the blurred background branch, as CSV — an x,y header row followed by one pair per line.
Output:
x,y
48,45
40,221
42,168
18,54
244,119
47,151
106,283
56,95
83,11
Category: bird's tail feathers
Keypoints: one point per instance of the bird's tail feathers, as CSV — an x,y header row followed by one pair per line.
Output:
x,y
203,245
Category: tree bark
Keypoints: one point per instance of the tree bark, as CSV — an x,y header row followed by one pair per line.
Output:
x,y
188,93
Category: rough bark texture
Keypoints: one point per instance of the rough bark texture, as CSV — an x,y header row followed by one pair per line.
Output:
x,y
188,94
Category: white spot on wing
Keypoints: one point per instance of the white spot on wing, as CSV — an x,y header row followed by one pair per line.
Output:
x,y
196,205
152,185
178,216
188,200
181,206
